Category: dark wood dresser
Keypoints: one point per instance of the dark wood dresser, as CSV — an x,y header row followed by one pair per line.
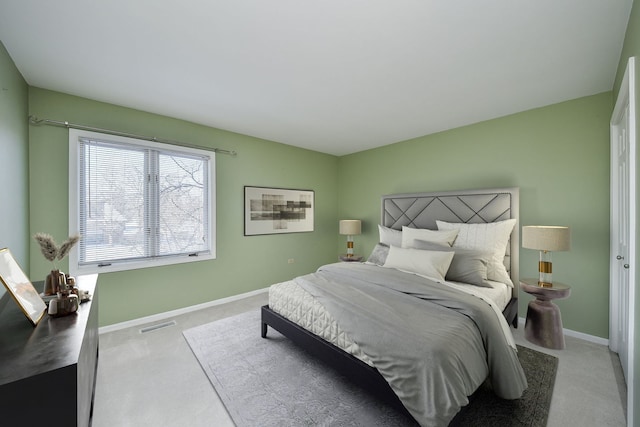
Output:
x,y
48,373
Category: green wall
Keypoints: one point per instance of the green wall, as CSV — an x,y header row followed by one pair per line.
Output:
x,y
559,158
14,166
557,155
243,263
631,48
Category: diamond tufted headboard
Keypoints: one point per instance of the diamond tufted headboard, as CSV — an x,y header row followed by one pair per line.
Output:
x,y
421,210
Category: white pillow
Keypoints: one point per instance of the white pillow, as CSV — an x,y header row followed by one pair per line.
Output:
x,y
389,236
467,266
410,235
430,264
491,237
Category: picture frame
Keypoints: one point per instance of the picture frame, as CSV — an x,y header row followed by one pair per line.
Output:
x,y
21,288
277,210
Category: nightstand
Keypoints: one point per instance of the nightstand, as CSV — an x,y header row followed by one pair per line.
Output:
x,y
352,258
544,322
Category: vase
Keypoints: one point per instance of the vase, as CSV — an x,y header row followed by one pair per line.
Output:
x,y
54,282
66,303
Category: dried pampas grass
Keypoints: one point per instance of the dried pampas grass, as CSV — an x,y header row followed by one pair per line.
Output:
x,y
50,249
66,246
48,246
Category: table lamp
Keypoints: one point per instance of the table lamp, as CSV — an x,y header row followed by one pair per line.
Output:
x,y
350,227
546,239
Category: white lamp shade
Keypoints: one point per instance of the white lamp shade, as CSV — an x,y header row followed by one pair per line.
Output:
x,y
546,238
350,227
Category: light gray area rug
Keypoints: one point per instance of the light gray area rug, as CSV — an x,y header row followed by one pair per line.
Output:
x,y
272,382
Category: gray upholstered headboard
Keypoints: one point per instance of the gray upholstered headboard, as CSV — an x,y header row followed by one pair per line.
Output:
x,y
421,210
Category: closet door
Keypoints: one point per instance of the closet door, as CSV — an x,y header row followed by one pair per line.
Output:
x,y
623,229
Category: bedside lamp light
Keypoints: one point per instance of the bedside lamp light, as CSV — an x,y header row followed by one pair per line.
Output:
x,y
350,227
546,239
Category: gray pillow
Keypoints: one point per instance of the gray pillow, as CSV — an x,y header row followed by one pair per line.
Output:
x,y
467,266
379,254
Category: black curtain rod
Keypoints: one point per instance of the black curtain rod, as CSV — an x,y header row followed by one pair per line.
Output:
x,y
36,121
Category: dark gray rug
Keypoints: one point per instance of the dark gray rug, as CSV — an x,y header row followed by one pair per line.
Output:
x,y
272,382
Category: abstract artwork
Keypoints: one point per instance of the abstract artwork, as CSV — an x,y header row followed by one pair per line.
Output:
x,y
277,210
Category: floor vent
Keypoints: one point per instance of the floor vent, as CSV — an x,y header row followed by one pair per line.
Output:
x,y
157,326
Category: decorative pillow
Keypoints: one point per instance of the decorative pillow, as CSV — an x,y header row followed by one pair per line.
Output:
x,y
379,254
430,264
443,237
467,266
389,236
491,237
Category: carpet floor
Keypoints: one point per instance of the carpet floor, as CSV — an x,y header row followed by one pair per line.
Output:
x,y
272,382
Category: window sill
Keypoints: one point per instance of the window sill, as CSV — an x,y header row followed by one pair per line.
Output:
x,y
135,265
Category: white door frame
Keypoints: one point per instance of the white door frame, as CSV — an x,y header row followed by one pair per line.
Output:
x,y
626,99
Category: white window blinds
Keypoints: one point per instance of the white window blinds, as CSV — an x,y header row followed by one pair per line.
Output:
x,y
142,202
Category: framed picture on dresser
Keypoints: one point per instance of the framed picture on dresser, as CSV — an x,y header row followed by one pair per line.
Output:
x,y
20,287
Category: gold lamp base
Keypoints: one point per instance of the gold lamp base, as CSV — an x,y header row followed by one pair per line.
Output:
x,y
545,268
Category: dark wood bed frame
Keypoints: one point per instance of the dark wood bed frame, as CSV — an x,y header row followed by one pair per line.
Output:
x,y
418,210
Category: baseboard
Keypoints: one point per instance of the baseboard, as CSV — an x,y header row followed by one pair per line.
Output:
x,y
575,334
173,313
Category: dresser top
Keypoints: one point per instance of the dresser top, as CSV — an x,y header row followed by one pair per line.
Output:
x,y
54,343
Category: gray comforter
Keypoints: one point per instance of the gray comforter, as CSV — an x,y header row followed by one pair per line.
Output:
x,y
433,344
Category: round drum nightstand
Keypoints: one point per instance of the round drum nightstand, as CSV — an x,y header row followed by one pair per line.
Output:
x,y
544,322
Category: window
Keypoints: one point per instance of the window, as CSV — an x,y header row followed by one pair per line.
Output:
x,y
138,204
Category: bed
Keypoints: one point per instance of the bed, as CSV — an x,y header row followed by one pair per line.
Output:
x,y
406,324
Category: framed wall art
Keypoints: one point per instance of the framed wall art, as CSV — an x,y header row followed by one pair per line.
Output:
x,y
20,287
277,210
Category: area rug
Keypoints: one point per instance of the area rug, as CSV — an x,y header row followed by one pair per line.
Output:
x,y
273,382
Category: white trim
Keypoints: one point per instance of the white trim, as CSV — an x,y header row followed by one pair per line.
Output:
x,y
631,418
177,312
575,334
586,337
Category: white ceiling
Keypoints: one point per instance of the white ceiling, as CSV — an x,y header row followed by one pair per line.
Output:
x,y
333,76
